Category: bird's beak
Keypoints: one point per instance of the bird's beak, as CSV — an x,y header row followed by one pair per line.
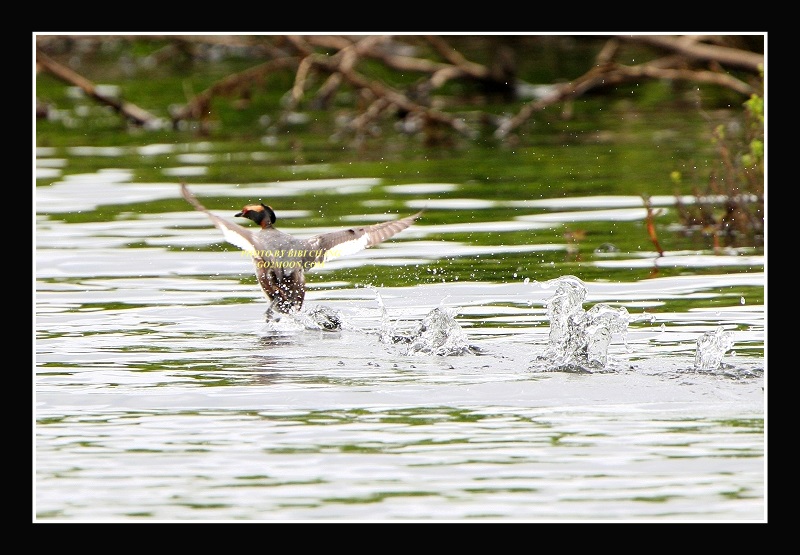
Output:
x,y
238,215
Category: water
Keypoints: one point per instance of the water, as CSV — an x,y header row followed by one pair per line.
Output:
x,y
162,393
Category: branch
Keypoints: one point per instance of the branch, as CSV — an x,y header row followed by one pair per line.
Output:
x,y
131,111
612,74
651,226
708,77
347,56
743,59
472,69
458,68
359,123
390,95
198,106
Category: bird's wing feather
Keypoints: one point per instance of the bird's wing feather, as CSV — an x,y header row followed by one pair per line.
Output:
x,y
352,240
232,232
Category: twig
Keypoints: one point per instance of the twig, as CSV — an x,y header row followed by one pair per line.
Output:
x,y
651,227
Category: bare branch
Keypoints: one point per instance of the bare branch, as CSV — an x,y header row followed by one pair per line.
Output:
x,y
336,59
384,91
370,114
751,61
614,74
197,107
137,115
474,70
607,53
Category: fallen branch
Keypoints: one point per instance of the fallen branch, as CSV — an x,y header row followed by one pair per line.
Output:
x,y
131,111
198,106
611,74
685,45
336,58
387,93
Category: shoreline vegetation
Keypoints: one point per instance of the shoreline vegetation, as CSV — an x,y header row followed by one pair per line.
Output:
x,y
446,90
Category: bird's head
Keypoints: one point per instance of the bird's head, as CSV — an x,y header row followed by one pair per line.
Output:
x,y
261,214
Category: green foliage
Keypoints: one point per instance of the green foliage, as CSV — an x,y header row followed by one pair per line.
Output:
x,y
731,205
755,111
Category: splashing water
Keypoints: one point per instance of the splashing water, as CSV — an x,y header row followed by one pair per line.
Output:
x,y
438,333
320,317
711,347
604,321
579,339
315,317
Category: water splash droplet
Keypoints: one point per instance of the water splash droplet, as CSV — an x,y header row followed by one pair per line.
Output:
x,y
711,347
580,339
438,333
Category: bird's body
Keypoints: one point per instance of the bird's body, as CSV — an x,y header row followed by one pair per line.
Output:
x,y
281,260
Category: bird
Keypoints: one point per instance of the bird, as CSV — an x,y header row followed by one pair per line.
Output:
x,y
281,259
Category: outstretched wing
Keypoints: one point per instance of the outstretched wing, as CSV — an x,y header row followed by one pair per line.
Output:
x,y
327,246
233,233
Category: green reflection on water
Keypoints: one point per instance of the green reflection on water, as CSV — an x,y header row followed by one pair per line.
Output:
x,y
621,144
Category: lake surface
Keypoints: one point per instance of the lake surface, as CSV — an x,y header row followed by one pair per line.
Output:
x,y
163,394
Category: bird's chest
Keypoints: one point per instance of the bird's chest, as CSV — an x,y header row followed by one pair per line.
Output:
x,y
279,252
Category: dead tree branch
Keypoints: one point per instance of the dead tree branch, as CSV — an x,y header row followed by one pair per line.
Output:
x,y
392,96
131,111
611,74
324,65
198,107
686,46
